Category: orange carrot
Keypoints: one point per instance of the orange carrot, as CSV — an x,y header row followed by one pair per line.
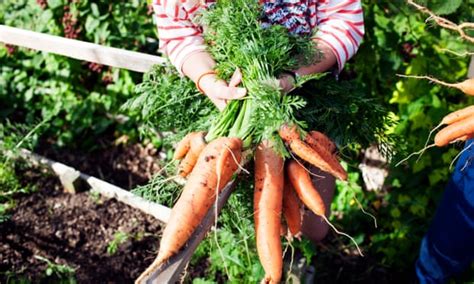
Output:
x,y
464,138
304,187
318,157
197,144
214,169
466,86
288,133
291,209
183,147
321,139
455,131
268,194
458,115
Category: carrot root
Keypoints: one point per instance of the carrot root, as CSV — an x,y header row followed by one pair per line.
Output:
x,y
291,210
268,195
415,153
304,188
197,197
343,234
454,131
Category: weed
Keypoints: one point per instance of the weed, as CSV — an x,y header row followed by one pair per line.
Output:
x,y
60,271
119,238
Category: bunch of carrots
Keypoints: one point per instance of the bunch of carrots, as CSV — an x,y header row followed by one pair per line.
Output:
x,y
262,125
279,187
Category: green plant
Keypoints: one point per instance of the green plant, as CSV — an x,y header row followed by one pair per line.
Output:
x,y
14,137
61,271
81,99
119,238
95,196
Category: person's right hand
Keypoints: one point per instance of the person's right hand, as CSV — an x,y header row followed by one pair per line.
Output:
x,y
219,92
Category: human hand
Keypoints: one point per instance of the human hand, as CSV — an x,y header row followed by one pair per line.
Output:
x,y
287,82
219,92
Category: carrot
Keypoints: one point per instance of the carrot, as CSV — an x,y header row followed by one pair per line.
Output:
x,y
303,185
214,168
268,196
183,147
323,145
458,115
288,133
455,131
466,86
321,139
465,137
196,145
291,209
319,158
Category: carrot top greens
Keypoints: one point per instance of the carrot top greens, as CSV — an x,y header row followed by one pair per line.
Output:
x,y
236,39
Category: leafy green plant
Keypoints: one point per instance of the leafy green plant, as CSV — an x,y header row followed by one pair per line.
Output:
x,y
60,271
13,137
119,238
95,196
82,99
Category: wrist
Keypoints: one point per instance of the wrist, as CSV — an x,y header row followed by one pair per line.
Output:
x,y
205,81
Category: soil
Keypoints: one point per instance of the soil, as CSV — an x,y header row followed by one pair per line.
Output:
x,y
123,164
75,230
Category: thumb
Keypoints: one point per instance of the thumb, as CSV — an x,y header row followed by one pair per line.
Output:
x,y
236,78
233,93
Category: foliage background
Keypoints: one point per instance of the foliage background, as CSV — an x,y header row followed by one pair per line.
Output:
x,y
82,101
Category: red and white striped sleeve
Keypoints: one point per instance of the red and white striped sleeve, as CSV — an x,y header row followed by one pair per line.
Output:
x,y
341,27
178,36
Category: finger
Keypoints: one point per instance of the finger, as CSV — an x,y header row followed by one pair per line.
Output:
x,y
231,93
220,104
236,78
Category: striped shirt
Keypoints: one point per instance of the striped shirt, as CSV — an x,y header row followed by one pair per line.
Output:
x,y
339,23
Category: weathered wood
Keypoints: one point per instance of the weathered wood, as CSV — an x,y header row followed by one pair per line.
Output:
x,y
115,57
171,271
471,68
70,175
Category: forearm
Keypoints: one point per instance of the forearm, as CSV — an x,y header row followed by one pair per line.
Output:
x,y
198,63
327,61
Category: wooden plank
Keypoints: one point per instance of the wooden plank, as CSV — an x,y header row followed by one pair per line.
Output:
x,y
115,57
108,190
471,68
171,271
156,210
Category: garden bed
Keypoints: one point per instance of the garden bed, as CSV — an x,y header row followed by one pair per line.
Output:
x,y
102,240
